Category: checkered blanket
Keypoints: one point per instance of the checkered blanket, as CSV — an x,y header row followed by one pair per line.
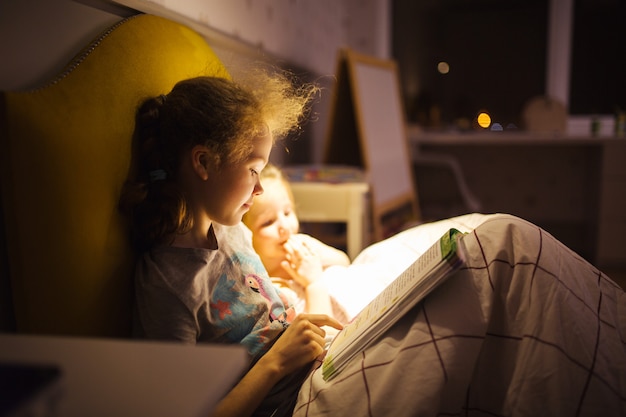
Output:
x,y
526,328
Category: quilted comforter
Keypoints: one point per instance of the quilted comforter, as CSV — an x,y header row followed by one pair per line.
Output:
x,y
526,328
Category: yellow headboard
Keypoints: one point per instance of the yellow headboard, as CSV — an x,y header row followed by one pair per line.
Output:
x,y
64,153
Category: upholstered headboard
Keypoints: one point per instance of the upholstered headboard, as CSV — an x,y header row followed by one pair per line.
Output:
x,y
64,153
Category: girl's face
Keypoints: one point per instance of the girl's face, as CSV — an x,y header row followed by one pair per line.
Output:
x,y
272,221
232,187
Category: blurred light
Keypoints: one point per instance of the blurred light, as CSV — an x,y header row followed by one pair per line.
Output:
x,y
484,120
443,67
497,127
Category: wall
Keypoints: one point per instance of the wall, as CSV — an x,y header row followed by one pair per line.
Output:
x,y
304,33
38,37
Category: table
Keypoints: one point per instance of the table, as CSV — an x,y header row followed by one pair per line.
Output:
x,y
333,194
123,378
572,186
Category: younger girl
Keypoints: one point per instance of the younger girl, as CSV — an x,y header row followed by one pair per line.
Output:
x,y
294,261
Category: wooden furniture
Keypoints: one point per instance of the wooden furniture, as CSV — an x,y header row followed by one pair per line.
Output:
x,y
367,130
611,250
571,186
327,195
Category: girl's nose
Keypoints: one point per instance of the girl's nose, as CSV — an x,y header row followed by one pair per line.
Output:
x,y
258,188
283,230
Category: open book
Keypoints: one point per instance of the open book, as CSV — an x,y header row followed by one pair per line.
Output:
x,y
409,288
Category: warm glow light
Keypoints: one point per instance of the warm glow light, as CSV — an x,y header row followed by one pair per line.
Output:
x,y
484,120
443,67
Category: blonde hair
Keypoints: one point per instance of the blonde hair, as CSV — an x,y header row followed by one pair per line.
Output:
x,y
271,173
223,115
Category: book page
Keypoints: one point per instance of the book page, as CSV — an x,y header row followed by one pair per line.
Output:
x,y
390,295
408,289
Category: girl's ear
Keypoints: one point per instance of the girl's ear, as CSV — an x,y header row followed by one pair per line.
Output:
x,y
200,160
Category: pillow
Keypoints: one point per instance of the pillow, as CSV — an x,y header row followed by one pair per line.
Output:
x,y
65,152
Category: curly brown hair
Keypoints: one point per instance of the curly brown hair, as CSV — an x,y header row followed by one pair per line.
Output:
x,y
223,115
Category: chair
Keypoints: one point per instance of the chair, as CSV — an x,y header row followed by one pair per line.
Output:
x,y
65,152
443,190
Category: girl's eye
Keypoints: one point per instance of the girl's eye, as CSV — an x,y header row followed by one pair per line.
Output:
x,y
267,223
254,171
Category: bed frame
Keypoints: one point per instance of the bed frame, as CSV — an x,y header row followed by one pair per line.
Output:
x,y
64,153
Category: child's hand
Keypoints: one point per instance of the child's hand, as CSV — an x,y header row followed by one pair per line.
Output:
x,y
303,264
302,342
329,255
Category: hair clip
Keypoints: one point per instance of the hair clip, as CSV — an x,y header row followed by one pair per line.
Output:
x,y
157,175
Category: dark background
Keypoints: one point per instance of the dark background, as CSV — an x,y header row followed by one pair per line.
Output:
x,y
497,55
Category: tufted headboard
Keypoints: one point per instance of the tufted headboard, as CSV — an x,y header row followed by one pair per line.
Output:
x,y
64,154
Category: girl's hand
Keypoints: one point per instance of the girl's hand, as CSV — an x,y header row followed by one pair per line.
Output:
x,y
329,255
301,343
303,263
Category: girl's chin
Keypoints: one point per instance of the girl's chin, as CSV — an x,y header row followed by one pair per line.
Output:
x,y
280,255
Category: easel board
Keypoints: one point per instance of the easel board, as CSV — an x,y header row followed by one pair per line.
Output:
x,y
367,129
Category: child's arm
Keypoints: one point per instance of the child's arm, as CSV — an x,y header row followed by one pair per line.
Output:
x,y
304,266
